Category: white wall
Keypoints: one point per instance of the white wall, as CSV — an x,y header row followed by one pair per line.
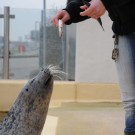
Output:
x,y
94,51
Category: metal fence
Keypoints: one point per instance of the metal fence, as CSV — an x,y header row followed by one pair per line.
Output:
x,y
22,51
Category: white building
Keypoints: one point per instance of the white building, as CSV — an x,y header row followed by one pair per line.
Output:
x,y
94,51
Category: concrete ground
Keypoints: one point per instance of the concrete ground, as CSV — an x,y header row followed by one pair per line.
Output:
x,y
84,119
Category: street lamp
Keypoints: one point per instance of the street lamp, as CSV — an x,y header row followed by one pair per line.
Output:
x,y
44,32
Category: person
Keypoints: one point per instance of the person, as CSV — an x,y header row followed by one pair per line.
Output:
x,y
122,13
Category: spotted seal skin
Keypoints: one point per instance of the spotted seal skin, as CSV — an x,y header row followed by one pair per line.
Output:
x,y
28,113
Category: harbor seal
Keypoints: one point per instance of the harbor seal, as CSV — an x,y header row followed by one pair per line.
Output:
x,y
28,114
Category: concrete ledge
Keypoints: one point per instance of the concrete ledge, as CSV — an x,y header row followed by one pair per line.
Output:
x,y
98,92
9,90
63,92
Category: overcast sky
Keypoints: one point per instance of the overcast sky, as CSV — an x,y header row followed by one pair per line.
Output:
x,y
31,3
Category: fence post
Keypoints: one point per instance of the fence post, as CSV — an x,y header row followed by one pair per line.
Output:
x,y
6,17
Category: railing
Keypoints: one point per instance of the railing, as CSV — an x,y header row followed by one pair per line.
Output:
x,y
21,55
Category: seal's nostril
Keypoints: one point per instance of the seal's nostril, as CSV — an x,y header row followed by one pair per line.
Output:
x,y
32,80
48,80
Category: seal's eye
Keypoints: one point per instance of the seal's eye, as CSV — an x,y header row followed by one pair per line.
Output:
x,y
27,90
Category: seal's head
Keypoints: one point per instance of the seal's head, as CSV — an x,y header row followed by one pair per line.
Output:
x,y
37,89
27,115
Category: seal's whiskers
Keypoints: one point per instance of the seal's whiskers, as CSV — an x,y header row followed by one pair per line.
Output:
x,y
57,72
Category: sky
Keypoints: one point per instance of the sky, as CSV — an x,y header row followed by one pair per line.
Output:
x,y
32,3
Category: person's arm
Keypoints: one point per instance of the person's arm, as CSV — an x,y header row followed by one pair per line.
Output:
x,y
95,10
107,4
73,8
71,14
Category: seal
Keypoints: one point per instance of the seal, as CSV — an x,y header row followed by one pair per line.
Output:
x,y
28,113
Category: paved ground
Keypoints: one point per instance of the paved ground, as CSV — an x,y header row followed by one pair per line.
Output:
x,y
88,119
85,119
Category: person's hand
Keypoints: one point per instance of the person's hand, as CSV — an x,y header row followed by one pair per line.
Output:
x,y
95,10
63,15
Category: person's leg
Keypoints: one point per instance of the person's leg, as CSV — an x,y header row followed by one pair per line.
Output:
x,y
126,73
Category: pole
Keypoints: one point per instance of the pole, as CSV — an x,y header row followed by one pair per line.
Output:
x,y
6,43
6,17
41,42
44,32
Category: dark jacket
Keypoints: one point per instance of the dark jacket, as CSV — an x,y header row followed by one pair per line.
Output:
x,y
121,12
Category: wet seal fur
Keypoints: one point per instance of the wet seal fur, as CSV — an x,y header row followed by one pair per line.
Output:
x,y
28,114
